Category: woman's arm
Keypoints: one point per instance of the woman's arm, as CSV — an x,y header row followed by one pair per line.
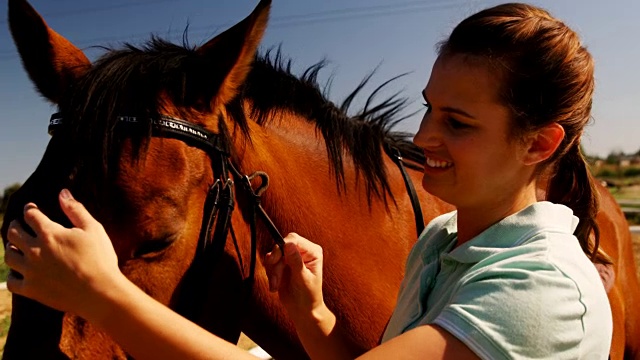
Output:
x,y
76,270
298,280
149,330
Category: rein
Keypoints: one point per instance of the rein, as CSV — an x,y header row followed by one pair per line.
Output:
x,y
395,155
220,201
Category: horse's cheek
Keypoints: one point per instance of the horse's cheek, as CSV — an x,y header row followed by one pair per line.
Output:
x,y
81,340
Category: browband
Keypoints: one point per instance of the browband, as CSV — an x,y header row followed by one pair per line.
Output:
x,y
169,127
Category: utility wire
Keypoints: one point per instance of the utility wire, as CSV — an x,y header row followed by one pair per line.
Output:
x,y
63,14
334,15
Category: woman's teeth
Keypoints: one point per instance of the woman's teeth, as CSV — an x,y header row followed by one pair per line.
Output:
x,y
438,164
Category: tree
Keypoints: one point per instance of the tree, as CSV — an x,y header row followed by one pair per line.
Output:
x,y
614,157
8,191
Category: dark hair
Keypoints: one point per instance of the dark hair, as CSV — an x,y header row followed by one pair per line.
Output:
x,y
547,78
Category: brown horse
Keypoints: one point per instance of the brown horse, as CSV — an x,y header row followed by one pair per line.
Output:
x,y
150,185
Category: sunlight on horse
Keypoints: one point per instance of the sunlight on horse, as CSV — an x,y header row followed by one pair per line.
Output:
x,y
329,174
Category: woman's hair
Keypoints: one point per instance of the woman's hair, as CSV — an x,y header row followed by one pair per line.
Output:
x,y
547,77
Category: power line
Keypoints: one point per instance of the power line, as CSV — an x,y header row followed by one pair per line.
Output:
x,y
373,12
296,20
63,14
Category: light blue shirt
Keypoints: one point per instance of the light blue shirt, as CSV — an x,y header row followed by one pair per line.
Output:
x,y
522,289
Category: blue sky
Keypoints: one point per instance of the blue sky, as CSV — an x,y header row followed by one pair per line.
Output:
x,y
355,36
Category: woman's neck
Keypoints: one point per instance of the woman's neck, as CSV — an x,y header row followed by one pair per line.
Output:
x,y
473,220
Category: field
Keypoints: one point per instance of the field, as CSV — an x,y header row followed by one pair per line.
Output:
x,y
636,252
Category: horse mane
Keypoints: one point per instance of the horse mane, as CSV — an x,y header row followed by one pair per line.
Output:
x,y
129,81
271,86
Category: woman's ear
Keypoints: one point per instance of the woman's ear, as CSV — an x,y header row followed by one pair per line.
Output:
x,y
543,143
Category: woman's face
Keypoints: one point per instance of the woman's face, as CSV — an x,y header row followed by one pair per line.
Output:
x,y
471,161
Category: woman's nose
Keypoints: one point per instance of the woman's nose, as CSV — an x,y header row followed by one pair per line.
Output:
x,y
428,135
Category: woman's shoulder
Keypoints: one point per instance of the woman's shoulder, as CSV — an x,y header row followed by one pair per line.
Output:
x,y
547,284
441,226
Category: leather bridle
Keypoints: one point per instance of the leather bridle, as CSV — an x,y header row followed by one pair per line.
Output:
x,y
220,201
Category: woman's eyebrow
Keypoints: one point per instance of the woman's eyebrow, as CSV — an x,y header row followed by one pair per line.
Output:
x,y
450,109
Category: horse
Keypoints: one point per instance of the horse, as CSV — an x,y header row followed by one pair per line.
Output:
x,y
154,139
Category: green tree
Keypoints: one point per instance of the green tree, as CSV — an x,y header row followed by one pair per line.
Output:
x,y
8,191
632,171
614,157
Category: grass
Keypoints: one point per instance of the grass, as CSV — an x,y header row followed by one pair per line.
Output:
x,y
4,269
636,252
4,326
5,322
629,199
631,192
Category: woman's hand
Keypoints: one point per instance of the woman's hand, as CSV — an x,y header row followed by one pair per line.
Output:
x,y
61,268
298,276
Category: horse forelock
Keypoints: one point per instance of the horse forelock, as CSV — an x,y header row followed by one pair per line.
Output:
x,y
130,82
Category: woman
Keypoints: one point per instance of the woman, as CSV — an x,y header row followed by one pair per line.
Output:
x,y
505,276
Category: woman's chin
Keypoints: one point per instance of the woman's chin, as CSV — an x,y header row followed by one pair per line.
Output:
x,y
438,188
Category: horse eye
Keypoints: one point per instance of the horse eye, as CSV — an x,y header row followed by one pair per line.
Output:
x,y
153,247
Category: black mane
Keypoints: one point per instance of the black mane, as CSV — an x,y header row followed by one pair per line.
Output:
x,y
129,81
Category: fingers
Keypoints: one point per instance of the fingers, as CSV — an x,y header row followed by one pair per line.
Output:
x,y
274,271
307,251
292,257
15,283
274,267
300,255
17,236
14,259
38,221
75,211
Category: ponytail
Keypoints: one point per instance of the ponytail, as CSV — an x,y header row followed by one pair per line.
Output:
x,y
573,186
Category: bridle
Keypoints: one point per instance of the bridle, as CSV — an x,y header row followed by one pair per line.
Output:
x,y
220,201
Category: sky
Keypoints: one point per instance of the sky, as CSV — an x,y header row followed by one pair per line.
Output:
x,y
355,36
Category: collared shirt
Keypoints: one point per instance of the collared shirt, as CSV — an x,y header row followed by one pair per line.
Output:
x,y
522,289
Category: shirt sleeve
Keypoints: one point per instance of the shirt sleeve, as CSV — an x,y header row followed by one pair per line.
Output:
x,y
521,308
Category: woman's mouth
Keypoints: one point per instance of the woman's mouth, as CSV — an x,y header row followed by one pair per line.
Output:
x,y
438,163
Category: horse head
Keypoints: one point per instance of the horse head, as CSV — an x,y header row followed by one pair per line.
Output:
x,y
148,191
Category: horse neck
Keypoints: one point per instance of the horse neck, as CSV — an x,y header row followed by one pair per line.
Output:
x,y
354,229
293,154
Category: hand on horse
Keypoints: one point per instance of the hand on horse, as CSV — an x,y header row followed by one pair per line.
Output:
x,y
66,269
298,276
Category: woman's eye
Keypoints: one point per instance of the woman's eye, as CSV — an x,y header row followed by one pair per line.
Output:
x,y
428,106
457,125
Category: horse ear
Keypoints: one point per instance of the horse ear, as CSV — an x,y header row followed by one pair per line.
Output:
x,y
51,61
232,52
